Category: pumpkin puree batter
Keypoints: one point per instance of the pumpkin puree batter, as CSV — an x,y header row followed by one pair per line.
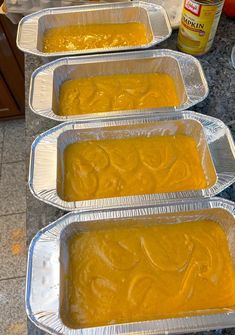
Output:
x,y
93,36
148,272
117,92
131,166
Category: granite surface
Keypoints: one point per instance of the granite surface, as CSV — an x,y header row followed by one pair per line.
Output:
x,y
220,103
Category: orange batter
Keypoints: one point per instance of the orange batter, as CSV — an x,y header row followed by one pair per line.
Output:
x,y
148,272
92,36
131,166
117,92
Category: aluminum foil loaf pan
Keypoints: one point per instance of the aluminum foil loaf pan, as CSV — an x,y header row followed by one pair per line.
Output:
x,y
185,70
213,140
31,28
46,294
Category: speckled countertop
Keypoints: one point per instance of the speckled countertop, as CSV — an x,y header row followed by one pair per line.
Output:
x,y
220,103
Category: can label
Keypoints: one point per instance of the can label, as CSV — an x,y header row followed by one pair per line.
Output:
x,y
198,26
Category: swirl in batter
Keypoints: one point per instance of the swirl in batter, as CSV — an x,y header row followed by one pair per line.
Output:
x,y
116,93
131,166
148,272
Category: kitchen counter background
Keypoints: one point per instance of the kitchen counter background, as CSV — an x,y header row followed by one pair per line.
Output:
x,y
220,103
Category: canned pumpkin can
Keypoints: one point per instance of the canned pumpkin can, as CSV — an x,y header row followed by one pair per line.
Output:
x,y
198,25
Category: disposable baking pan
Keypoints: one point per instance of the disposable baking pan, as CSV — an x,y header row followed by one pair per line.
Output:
x,y
214,144
31,28
48,260
186,71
